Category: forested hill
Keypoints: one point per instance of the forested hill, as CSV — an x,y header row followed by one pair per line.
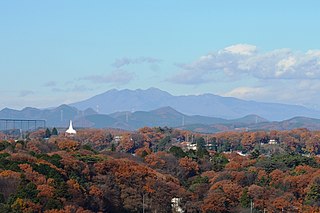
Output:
x,y
119,171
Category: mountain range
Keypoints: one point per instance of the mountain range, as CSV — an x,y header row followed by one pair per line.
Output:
x,y
165,116
205,105
58,116
133,109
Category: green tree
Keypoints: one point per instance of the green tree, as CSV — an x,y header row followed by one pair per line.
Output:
x,y
54,131
2,200
164,142
255,154
313,196
202,152
47,133
113,147
219,161
4,145
201,147
177,151
109,137
200,142
27,191
144,154
213,144
245,199
52,204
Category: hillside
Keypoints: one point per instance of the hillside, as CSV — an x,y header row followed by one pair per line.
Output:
x,y
293,123
147,169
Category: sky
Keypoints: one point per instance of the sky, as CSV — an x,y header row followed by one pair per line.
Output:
x,y
60,52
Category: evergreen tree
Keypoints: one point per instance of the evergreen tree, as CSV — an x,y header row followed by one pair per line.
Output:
x,y
255,154
163,143
313,196
245,199
47,133
54,131
113,147
109,137
201,147
177,151
218,161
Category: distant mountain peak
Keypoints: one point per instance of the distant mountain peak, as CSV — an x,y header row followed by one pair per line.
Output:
x,y
155,89
162,116
6,109
166,110
205,105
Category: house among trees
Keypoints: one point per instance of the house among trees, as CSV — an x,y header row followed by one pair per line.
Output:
x,y
186,146
176,205
273,141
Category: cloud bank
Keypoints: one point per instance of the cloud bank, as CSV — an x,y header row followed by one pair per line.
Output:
x,y
243,71
245,60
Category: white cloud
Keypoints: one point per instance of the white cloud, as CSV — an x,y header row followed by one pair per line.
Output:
x,y
242,49
285,65
294,91
72,88
127,61
116,77
247,92
243,60
313,53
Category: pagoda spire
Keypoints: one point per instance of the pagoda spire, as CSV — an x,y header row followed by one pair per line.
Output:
x,y
70,130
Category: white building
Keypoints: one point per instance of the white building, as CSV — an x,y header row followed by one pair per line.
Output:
x,y
70,130
273,141
186,146
175,204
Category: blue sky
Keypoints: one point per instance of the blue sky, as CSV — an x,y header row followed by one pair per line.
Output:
x,y
54,52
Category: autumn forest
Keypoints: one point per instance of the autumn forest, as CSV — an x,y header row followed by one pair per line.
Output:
x,y
160,169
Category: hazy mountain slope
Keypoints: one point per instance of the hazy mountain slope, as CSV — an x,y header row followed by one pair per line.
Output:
x,y
164,116
101,121
293,123
126,100
205,105
58,116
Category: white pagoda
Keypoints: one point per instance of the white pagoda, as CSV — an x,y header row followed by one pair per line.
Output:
x,y
70,130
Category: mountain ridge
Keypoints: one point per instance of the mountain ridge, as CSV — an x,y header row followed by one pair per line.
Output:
x,y
164,116
205,105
